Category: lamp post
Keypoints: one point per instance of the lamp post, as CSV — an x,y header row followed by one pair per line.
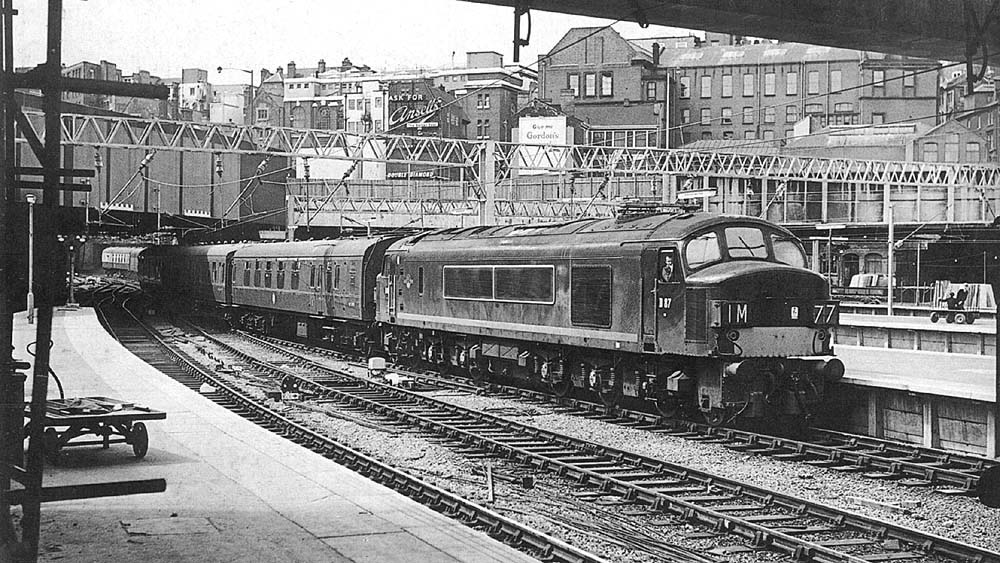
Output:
x,y
71,302
30,198
249,109
829,228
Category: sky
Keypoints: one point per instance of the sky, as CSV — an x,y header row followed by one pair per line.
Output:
x,y
164,36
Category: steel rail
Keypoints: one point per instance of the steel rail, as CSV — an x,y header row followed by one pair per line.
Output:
x,y
471,514
589,463
874,458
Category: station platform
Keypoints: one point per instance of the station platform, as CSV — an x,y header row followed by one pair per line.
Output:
x,y
917,333
235,492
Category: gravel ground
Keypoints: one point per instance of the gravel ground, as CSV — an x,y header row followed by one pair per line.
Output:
x,y
551,504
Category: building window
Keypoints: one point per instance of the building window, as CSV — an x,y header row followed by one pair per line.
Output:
x,y
813,109
727,135
378,125
909,85
951,149
748,80
843,107
607,84
878,83
479,128
747,115
706,116
768,83
750,135
479,101
791,114
727,85
589,84
486,101
486,128
727,116
813,85
685,115
685,87
706,86
769,115
972,153
836,81
873,263
573,83
792,84
651,90
768,135
706,135
878,118
930,152
262,114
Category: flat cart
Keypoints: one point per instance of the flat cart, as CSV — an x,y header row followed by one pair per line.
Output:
x,y
957,316
111,420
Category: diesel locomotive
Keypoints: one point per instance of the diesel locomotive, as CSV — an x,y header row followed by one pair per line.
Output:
x,y
691,313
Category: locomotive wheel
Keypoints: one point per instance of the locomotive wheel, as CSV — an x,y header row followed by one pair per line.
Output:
x,y
716,417
667,404
562,388
611,397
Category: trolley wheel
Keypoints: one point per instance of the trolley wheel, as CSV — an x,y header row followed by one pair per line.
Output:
x,y
715,417
950,318
140,440
50,444
971,318
935,316
960,318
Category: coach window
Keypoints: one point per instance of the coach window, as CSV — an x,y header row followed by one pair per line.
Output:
x,y
329,277
702,250
281,275
295,274
246,274
312,275
267,274
590,296
420,280
336,277
256,273
788,251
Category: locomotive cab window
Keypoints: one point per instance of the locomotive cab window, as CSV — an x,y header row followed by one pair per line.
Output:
x,y
667,266
702,250
788,251
745,243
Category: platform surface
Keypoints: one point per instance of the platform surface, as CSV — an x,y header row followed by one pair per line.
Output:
x,y
964,376
981,326
235,492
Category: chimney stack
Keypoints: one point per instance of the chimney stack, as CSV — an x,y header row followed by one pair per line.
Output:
x,y
321,66
291,69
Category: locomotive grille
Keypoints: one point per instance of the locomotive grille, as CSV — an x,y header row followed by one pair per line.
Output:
x,y
590,296
696,314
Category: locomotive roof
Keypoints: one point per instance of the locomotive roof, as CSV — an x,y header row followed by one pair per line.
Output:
x,y
648,227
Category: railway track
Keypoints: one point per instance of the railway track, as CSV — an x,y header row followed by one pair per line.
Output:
x,y
911,465
763,519
151,347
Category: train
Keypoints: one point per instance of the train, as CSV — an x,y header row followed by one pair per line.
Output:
x,y
689,313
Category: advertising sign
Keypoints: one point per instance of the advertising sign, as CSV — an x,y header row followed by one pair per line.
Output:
x,y
543,141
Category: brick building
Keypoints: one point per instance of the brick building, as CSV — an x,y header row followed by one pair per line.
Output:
x,y
609,83
142,107
760,91
488,93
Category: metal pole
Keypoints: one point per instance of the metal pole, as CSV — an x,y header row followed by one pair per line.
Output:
x,y
892,257
72,274
31,258
829,255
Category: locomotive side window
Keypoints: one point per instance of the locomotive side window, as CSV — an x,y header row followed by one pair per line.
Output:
x,y
526,284
256,273
788,251
329,277
336,277
590,296
468,282
666,266
267,274
702,250
312,275
745,242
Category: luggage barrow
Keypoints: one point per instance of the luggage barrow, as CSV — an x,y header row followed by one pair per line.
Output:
x,y
111,420
957,316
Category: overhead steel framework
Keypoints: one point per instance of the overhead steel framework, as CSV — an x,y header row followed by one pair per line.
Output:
x,y
507,158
